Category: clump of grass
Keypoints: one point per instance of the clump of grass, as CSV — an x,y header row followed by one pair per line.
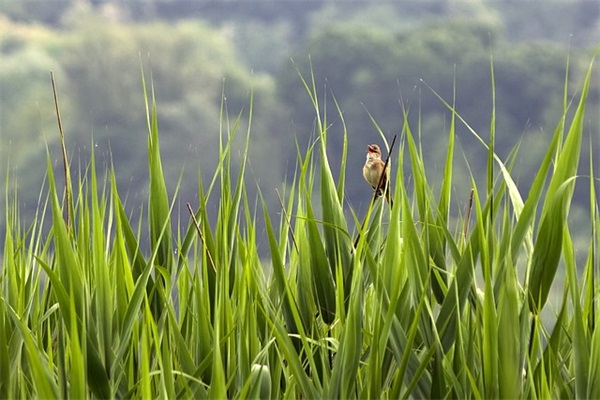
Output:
x,y
84,312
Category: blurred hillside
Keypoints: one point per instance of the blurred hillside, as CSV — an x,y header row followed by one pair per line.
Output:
x,y
374,57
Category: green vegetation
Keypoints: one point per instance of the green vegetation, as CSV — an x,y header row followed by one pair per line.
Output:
x,y
86,311
376,58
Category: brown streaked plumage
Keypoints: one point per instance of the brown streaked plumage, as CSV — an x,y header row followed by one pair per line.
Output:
x,y
373,169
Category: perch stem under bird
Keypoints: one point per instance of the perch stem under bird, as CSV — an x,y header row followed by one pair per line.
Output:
x,y
376,173
379,179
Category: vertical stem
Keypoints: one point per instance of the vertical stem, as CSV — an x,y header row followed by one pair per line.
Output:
x,y
468,216
64,155
379,186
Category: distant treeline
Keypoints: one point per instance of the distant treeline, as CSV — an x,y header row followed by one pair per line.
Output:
x,y
377,61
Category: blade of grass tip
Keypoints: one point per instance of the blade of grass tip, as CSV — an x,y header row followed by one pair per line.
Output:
x,y
491,147
224,163
240,186
377,128
565,105
343,161
437,240
526,217
138,262
394,277
311,90
515,196
335,231
159,212
490,180
432,236
68,201
568,157
158,204
104,292
261,382
556,205
69,268
590,274
233,219
421,187
446,187
285,225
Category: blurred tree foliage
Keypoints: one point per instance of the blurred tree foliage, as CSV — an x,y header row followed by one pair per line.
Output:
x,y
373,71
47,12
97,64
375,58
27,54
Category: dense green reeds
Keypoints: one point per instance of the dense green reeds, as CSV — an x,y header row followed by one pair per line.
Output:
x,y
86,311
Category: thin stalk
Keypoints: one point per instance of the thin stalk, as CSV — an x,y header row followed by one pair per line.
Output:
x,y
468,216
64,154
287,217
379,187
210,260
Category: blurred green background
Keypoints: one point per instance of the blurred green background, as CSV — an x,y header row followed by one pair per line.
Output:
x,y
375,57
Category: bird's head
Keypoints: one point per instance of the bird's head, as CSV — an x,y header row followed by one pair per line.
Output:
x,y
373,148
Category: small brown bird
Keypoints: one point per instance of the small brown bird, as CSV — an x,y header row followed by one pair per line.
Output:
x,y
373,169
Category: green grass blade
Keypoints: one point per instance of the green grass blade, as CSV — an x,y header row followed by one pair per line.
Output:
x,y
581,338
158,204
322,277
546,253
593,385
44,384
77,381
346,366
